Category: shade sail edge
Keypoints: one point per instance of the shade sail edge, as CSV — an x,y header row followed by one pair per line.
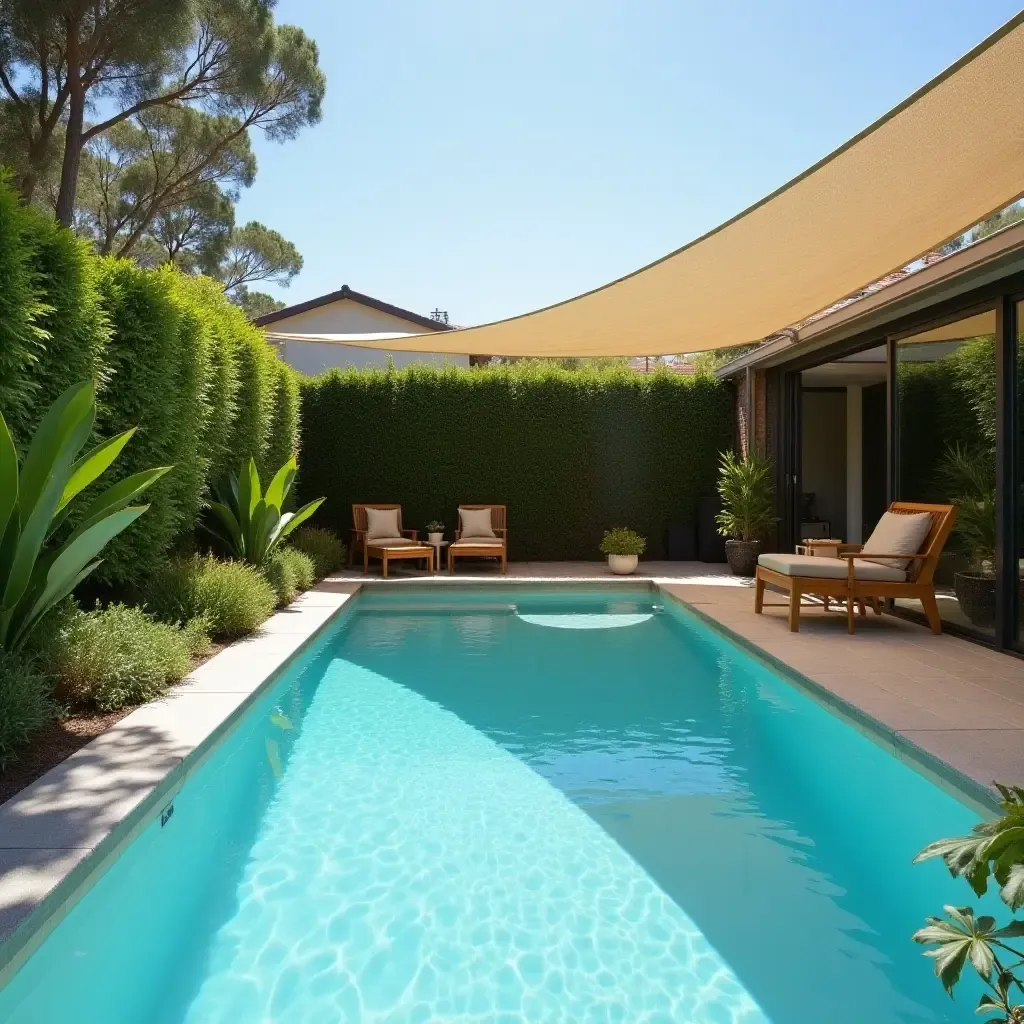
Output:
x,y
943,159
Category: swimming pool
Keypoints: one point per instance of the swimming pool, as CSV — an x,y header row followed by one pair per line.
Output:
x,y
518,805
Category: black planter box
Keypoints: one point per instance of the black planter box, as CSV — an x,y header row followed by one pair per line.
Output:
x,y
710,543
681,543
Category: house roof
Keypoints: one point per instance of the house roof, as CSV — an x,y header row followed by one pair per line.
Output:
x,y
344,292
946,158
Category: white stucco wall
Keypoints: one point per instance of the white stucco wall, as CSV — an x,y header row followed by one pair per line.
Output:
x,y
345,316
315,357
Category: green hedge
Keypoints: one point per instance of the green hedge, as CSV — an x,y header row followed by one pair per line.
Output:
x,y
168,354
570,453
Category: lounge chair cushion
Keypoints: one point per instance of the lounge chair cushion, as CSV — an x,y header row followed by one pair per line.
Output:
x,y
393,542
830,568
476,522
479,542
381,523
898,533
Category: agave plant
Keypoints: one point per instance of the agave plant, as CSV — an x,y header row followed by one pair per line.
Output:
x,y
250,524
36,497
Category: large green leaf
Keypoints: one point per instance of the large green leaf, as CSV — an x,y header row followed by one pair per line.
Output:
x,y
279,487
116,497
292,520
8,476
71,559
248,495
91,465
232,528
26,627
60,436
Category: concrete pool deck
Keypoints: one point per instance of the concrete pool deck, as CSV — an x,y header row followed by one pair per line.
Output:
x,y
960,703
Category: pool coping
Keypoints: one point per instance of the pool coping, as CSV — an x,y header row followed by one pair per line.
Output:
x,y
978,796
43,881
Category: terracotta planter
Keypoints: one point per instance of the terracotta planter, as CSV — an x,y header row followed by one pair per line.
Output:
x,y
742,556
623,565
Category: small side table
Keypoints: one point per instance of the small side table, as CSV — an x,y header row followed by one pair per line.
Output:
x,y
826,547
437,546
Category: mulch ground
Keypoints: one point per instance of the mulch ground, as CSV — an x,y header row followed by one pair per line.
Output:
x,y
52,745
61,739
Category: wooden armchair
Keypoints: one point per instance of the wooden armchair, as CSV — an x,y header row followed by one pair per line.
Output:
x,y
481,547
854,577
358,534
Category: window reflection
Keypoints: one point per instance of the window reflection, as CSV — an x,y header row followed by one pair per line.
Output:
x,y
946,409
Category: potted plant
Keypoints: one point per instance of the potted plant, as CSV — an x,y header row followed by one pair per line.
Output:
x,y
971,477
435,531
623,548
748,511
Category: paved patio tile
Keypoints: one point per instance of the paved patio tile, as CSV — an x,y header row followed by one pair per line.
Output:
x,y
986,755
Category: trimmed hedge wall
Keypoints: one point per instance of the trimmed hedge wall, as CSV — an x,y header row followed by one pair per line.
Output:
x,y
168,354
570,453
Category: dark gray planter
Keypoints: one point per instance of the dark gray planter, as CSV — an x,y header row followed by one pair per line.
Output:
x,y
742,556
976,592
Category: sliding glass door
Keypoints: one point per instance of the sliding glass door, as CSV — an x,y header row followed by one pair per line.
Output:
x,y
945,449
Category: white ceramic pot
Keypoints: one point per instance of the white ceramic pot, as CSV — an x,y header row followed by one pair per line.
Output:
x,y
435,538
622,565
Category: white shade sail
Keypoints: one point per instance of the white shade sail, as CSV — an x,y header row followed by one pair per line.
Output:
x,y
947,157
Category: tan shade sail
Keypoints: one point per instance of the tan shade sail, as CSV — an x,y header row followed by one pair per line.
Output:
x,y
944,159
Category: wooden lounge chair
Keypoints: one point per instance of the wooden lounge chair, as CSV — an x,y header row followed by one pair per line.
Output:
x,y
481,547
854,576
388,549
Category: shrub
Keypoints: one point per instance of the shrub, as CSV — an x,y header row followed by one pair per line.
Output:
x,y
75,323
196,633
283,431
26,703
116,656
622,541
250,430
153,387
323,546
567,451
232,597
302,567
281,577
21,338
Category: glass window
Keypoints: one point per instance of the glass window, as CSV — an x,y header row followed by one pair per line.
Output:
x,y
946,443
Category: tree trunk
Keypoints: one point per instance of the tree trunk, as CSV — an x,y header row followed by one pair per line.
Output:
x,y
27,186
72,154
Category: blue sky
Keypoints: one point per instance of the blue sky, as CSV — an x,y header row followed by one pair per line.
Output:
x,y
489,158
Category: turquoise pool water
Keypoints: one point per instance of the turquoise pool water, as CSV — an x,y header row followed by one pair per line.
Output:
x,y
461,806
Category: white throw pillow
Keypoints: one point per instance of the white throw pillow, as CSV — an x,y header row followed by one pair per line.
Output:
x,y
381,522
898,533
476,522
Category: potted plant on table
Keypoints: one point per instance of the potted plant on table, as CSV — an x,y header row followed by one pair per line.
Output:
x,y
623,548
970,476
748,511
435,531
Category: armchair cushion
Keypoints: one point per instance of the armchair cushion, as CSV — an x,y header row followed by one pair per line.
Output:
x,y
898,533
476,522
831,568
394,542
381,523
